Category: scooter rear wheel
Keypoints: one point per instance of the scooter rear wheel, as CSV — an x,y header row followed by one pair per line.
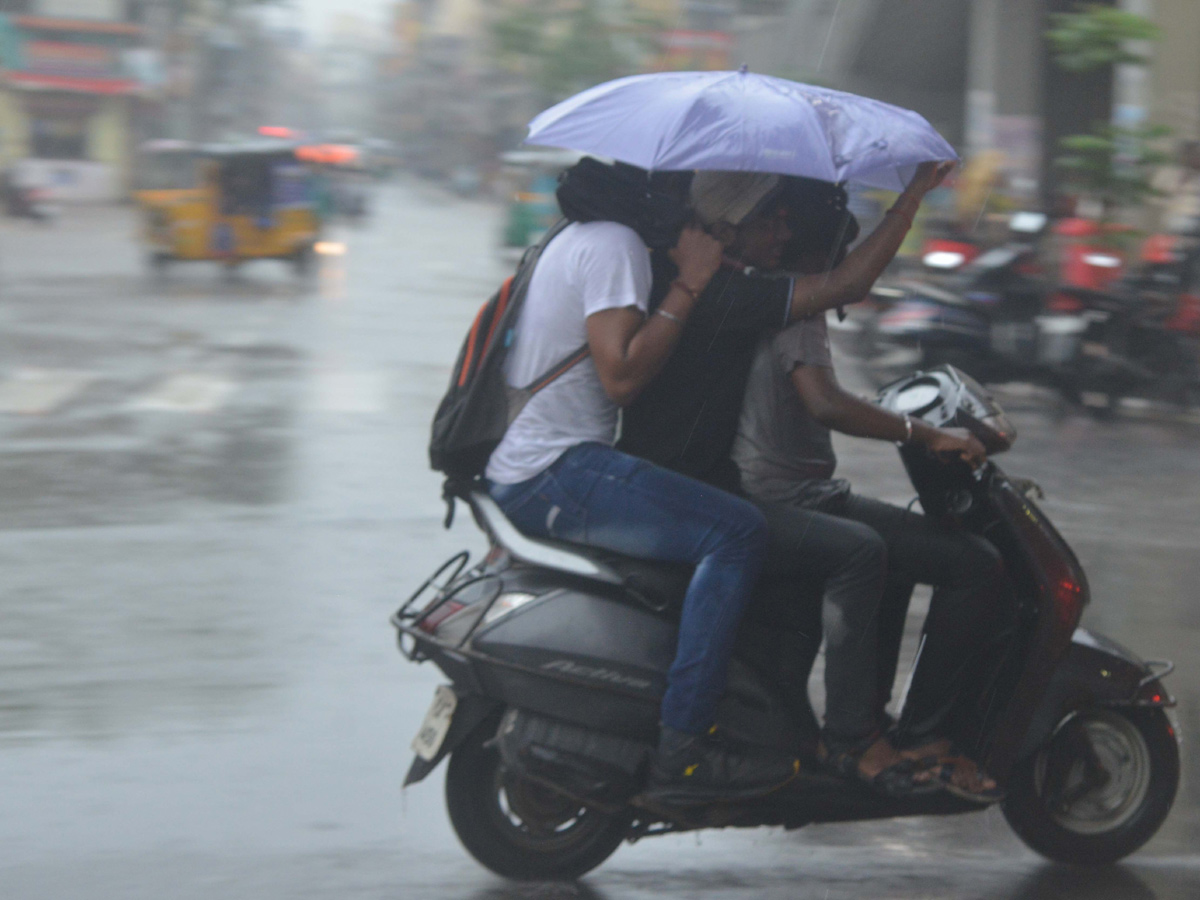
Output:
x,y
1094,808
520,829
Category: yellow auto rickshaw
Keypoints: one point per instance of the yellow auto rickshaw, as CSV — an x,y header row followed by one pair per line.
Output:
x,y
248,201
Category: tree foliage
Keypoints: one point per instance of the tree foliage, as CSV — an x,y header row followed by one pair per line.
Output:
x,y
1114,165
1094,36
564,49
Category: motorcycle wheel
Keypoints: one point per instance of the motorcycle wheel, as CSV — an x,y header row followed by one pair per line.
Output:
x,y
520,829
1094,819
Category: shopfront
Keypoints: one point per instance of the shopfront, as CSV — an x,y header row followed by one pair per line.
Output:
x,y
67,101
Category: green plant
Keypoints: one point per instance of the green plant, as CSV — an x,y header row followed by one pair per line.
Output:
x,y
566,48
1094,36
1114,167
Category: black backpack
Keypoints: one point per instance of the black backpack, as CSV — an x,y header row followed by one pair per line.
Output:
x,y
479,405
652,204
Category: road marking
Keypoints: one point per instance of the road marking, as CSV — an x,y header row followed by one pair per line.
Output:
x,y
349,392
190,392
37,391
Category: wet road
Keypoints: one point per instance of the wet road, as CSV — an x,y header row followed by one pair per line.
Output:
x,y
213,494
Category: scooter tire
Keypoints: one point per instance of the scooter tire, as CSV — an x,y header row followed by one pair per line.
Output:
x,y
486,812
1061,838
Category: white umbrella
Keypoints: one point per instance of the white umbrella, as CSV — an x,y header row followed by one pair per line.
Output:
x,y
739,121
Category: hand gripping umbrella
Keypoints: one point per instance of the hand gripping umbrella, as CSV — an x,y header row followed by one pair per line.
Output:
x,y
739,121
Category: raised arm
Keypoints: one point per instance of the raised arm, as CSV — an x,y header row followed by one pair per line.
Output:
x,y
630,348
852,280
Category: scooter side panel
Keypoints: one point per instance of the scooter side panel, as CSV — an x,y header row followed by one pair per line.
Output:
x,y
1094,672
582,657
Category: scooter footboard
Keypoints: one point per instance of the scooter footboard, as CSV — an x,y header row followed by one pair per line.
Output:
x,y
1095,672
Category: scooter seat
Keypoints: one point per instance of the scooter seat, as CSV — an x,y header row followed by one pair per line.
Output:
x,y
658,585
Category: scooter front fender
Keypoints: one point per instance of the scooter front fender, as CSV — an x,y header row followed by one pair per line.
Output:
x,y
1096,671
470,713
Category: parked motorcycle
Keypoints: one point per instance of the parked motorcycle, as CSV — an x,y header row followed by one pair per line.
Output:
x,y
25,201
989,316
557,656
1138,342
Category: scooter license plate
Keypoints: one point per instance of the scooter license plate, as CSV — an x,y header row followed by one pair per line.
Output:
x,y
437,722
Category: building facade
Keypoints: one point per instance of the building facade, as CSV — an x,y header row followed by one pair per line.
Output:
x,y
75,78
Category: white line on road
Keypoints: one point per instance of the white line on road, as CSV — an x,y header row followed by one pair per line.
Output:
x,y
36,391
349,392
190,392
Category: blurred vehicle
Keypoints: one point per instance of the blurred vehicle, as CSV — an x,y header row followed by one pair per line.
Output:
x,y
549,724
988,316
25,201
252,201
161,166
1085,259
341,176
529,179
1143,332
381,157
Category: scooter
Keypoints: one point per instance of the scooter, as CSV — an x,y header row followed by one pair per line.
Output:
x,y
557,656
990,315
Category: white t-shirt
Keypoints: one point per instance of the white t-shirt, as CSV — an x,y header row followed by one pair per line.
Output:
x,y
587,268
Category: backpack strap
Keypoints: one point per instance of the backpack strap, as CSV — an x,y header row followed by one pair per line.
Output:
x,y
559,369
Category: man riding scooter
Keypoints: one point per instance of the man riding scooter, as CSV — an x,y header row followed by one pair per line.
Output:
x,y
785,455
686,419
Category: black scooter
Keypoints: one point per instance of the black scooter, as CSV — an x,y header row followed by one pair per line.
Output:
x,y
558,653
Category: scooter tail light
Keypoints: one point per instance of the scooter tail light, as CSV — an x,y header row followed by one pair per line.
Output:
x,y
1063,303
430,623
1069,594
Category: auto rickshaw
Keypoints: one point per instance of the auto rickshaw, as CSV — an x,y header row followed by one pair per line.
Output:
x,y
530,178
251,201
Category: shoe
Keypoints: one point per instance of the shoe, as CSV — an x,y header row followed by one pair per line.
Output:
x,y
691,769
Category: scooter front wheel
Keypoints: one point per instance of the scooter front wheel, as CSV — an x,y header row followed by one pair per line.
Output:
x,y
1099,789
518,828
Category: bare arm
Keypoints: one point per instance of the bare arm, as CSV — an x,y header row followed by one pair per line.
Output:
x,y
629,349
841,411
852,280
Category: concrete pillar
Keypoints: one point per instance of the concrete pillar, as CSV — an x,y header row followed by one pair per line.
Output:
x,y
1174,94
14,128
1131,84
1004,87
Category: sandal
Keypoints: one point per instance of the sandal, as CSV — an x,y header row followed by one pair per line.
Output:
x,y
945,776
897,782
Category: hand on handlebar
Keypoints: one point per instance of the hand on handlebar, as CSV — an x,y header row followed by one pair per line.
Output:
x,y
951,442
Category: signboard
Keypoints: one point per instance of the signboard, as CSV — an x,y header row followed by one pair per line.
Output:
x,y
694,51
67,60
95,10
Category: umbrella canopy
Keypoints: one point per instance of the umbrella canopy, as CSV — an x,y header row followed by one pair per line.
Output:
x,y
739,121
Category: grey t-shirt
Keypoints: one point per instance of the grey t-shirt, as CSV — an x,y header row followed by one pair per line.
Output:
x,y
784,454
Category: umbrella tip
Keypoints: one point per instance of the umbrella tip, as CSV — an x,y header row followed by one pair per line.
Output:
x,y
743,68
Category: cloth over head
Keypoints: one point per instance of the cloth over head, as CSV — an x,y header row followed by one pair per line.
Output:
x,y
730,196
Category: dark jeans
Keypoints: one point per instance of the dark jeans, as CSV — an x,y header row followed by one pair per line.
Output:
x,y
806,550
972,603
595,495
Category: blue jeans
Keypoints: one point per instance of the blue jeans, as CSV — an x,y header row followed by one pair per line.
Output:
x,y
595,495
